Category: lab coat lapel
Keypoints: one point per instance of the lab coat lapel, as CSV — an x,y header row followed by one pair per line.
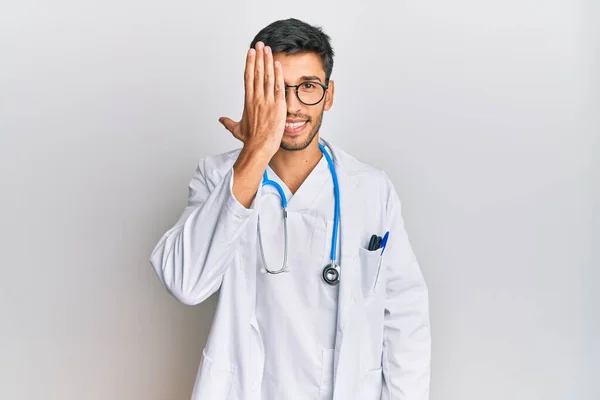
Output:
x,y
349,242
347,366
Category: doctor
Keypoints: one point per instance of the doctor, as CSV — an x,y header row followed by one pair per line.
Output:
x,y
320,294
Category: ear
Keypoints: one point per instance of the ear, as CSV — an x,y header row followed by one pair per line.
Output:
x,y
329,95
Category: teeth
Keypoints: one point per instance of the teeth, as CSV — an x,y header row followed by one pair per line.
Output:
x,y
294,125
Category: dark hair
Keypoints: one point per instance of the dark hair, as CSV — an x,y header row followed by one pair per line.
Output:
x,y
292,36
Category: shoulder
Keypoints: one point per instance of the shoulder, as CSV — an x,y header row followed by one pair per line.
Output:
x,y
372,187
215,166
219,161
363,174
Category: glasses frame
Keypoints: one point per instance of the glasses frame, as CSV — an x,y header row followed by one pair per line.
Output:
x,y
325,87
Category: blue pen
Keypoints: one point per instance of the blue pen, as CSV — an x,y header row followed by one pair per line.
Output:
x,y
384,242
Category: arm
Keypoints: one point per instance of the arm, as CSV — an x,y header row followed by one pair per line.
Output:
x,y
192,257
407,338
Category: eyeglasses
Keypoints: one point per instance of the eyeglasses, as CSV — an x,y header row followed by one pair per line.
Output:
x,y
309,93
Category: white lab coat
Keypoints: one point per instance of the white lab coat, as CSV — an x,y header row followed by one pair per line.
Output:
x,y
382,346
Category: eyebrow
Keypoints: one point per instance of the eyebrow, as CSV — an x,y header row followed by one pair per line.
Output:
x,y
310,78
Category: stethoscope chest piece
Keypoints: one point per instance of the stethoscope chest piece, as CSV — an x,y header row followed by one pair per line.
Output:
x,y
331,274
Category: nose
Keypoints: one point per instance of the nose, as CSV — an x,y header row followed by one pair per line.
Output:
x,y
293,103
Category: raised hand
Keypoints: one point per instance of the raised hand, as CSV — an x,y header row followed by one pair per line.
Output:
x,y
263,119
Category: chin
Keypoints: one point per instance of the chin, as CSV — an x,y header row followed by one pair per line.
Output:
x,y
296,143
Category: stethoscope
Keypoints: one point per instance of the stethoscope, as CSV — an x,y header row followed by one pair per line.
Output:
x,y
331,272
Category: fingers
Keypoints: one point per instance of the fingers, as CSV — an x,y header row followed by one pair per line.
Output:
x,y
269,74
259,71
279,86
249,74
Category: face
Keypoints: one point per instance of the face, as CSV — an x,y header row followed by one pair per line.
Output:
x,y
303,121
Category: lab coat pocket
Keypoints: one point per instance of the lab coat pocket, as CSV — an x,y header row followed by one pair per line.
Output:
x,y
216,379
326,387
371,384
371,270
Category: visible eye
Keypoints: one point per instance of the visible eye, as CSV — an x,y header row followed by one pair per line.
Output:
x,y
309,87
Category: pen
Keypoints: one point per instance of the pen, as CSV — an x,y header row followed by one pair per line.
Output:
x,y
384,242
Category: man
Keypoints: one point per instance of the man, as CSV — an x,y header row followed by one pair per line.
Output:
x,y
302,333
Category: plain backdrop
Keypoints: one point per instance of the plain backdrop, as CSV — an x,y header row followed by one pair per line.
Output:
x,y
484,114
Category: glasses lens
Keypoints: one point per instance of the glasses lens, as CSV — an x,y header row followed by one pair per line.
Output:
x,y
310,93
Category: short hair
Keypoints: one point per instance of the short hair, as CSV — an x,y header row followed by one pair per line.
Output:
x,y
292,36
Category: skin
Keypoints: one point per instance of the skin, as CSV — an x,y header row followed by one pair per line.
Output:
x,y
266,110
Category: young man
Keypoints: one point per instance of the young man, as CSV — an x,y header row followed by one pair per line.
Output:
x,y
322,299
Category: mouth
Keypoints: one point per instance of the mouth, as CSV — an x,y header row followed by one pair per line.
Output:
x,y
294,127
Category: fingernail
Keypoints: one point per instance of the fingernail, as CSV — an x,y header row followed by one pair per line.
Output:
x,y
251,52
266,49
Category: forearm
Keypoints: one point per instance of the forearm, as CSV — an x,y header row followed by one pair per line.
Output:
x,y
407,336
192,257
248,171
407,340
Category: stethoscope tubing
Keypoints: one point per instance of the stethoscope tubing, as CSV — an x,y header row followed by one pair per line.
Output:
x,y
336,218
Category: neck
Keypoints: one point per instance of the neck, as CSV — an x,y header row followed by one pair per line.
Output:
x,y
293,167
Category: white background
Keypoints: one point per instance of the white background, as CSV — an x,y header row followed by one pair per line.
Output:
x,y
484,113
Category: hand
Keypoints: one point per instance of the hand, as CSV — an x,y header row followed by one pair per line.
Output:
x,y
263,119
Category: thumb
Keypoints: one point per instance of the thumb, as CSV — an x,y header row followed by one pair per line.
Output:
x,y
228,123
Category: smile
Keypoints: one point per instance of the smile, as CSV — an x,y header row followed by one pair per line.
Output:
x,y
294,127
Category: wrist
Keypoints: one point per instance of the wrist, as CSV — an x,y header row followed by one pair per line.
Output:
x,y
252,159
263,151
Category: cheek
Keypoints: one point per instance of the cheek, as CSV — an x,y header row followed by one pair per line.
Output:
x,y
314,116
